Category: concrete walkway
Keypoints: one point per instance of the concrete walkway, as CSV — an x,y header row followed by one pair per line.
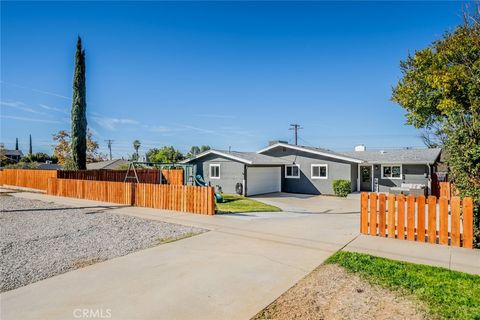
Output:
x,y
231,272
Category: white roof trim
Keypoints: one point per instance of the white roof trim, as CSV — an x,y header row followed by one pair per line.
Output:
x,y
325,154
223,154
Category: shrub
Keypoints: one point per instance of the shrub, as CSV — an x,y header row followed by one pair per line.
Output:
x,y
341,187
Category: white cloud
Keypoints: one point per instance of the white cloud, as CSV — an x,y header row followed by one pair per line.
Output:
x,y
112,123
29,119
20,106
52,108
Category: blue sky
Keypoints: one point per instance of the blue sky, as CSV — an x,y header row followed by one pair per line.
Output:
x,y
218,73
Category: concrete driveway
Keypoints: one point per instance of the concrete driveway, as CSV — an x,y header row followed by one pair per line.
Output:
x,y
231,272
292,202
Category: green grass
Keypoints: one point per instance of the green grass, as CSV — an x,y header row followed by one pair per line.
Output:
x,y
234,204
447,294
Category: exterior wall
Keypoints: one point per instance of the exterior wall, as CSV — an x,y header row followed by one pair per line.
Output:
x,y
231,172
411,173
337,169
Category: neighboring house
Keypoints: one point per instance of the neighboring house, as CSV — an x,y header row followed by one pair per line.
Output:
x,y
14,155
116,164
49,166
300,169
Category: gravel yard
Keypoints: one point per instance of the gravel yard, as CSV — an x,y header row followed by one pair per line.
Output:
x,y
330,292
39,240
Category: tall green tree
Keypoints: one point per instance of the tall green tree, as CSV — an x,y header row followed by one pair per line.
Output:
x,y
16,144
194,150
440,90
78,141
165,155
30,148
136,146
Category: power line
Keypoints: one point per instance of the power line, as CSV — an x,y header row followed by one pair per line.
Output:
x,y
109,144
295,127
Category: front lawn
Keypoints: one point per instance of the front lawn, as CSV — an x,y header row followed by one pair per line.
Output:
x,y
448,294
234,204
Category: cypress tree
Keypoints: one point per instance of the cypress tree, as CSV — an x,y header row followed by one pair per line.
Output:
x,y
79,106
30,151
16,144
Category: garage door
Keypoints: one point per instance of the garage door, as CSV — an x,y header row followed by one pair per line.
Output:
x,y
263,180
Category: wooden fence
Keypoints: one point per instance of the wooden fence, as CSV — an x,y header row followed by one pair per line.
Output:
x,y
174,197
418,219
174,176
170,197
28,178
116,192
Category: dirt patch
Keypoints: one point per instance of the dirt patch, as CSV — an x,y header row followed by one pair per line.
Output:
x,y
330,292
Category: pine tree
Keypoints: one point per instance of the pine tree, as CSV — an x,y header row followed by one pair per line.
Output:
x,y
79,106
16,144
30,150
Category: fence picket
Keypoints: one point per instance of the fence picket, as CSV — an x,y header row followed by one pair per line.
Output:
x,y
401,217
421,218
443,230
391,216
411,217
455,221
432,219
364,213
467,215
373,213
382,218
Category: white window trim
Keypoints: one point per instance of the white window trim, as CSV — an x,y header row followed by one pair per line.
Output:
x,y
319,165
292,177
210,170
392,165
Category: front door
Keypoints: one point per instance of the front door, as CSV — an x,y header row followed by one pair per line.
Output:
x,y
366,178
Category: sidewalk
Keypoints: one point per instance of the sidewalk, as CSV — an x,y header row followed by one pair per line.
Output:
x,y
453,258
230,272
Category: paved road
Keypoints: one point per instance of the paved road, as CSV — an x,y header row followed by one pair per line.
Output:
x,y
231,272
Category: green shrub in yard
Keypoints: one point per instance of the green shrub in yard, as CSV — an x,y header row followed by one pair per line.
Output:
x,y
341,187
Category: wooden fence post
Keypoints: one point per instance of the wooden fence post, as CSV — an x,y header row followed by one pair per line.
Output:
x,y
411,217
467,222
432,219
382,217
391,215
373,214
421,218
364,213
443,232
455,221
401,217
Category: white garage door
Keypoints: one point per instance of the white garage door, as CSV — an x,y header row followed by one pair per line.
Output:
x,y
263,180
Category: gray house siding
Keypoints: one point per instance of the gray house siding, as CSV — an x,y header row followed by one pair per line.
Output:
x,y
231,172
411,173
337,169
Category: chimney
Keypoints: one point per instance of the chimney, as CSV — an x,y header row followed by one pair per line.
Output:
x,y
360,147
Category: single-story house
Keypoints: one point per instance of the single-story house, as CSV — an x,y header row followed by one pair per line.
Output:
x,y
301,169
14,155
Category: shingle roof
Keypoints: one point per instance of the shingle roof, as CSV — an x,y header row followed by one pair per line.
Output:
x,y
109,164
399,156
251,158
13,153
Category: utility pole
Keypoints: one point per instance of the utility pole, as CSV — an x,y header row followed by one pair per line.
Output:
x,y
109,144
296,127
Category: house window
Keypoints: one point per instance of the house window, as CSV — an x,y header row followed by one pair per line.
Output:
x,y
292,171
214,171
319,171
392,172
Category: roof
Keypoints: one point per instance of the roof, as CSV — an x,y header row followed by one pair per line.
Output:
x,y
408,156
251,158
13,152
108,165
313,150
49,166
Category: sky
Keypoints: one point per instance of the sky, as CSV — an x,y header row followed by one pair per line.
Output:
x,y
224,74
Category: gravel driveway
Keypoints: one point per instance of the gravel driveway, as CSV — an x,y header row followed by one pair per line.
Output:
x,y
39,240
